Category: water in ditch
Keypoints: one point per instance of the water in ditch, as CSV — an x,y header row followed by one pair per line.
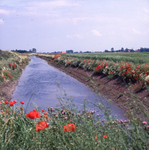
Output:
x,y
42,84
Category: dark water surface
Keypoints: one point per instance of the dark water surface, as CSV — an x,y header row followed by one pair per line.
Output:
x,y
39,80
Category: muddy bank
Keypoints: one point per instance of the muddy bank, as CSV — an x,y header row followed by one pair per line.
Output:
x,y
120,93
7,90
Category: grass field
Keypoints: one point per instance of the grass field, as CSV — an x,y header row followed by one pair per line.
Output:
x,y
136,57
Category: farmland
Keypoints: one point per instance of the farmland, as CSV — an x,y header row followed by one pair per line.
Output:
x,y
136,58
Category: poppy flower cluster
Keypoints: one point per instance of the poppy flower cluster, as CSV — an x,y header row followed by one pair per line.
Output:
x,y
45,116
12,102
128,71
33,114
69,128
12,66
56,56
41,125
99,68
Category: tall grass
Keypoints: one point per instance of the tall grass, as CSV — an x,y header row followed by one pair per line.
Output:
x,y
89,132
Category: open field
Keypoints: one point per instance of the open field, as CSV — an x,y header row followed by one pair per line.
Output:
x,y
134,57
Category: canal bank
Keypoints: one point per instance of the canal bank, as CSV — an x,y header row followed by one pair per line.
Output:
x,y
8,86
121,94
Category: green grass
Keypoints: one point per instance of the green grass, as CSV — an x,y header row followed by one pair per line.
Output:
x,y
19,132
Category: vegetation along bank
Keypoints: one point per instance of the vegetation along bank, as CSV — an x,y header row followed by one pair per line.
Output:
x,y
11,67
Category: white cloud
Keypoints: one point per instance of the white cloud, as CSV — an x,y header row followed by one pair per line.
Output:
x,y
52,4
74,36
4,12
95,32
75,20
146,10
136,31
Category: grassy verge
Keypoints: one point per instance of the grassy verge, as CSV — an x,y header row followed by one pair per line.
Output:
x,y
11,66
68,128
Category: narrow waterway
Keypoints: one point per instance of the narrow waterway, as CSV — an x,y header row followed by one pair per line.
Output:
x,y
39,84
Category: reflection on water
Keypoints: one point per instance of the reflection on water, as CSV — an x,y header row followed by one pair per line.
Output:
x,y
39,80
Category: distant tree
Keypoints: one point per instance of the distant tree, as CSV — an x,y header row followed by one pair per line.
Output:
x,y
87,52
126,50
131,50
69,51
112,49
122,49
106,51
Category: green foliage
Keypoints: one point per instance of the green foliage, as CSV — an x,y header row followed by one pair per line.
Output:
x,y
110,76
139,87
19,132
1,79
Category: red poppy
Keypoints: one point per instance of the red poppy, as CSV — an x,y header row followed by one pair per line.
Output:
x,y
19,115
69,128
14,101
42,110
41,125
11,103
33,114
6,102
105,136
21,108
48,118
22,102
45,113
96,137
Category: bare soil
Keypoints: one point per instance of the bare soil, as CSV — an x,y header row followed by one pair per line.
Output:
x,y
7,90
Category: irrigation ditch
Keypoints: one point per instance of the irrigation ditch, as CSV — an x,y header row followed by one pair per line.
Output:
x,y
121,94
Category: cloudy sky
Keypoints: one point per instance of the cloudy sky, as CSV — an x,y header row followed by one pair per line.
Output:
x,y
83,25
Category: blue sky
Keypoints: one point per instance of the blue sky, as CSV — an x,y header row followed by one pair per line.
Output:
x,y
84,25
